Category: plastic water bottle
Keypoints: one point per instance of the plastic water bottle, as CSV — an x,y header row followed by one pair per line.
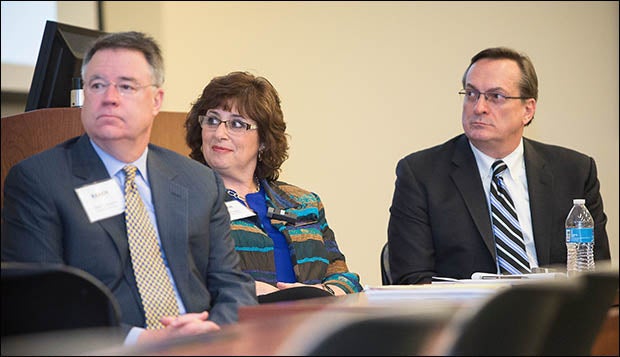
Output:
x,y
579,239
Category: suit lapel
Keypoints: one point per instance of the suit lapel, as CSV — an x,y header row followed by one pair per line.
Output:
x,y
171,202
540,190
88,168
467,180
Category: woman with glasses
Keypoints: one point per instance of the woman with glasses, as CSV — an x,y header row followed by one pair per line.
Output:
x,y
237,128
137,217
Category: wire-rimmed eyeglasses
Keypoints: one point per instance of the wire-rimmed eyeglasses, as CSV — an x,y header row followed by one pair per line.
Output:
x,y
472,96
124,88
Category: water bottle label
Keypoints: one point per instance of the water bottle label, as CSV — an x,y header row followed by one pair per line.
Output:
x,y
579,235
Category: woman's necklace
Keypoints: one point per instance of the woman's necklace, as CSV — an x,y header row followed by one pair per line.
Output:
x,y
232,193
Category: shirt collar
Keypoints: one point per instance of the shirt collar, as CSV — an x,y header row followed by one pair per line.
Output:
x,y
113,166
514,160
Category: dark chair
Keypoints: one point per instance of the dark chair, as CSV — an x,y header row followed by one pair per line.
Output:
x,y
43,297
386,278
579,319
512,322
380,333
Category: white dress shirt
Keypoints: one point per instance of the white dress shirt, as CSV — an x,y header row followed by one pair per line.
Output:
x,y
516,182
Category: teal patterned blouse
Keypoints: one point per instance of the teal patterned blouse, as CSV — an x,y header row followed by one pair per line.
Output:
x,y
314,252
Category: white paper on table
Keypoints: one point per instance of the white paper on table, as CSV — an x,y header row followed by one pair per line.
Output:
x,y
435,291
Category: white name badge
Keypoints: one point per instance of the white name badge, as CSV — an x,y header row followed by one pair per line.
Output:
x,y
238,210
101,200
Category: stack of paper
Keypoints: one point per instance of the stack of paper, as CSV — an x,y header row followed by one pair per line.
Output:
x,y
444,291
489,276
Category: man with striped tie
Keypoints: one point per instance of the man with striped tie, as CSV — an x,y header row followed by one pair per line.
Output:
x,y
490,200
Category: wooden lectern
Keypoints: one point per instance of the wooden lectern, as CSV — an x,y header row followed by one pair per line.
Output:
x,y
26,134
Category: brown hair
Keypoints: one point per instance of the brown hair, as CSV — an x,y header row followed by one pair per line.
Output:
x,y
528,85
255,98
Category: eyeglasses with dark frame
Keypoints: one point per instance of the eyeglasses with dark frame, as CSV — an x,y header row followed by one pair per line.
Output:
x,y
496,98
211,121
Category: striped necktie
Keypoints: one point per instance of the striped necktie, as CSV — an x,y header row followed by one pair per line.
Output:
x,y
153,282
509,242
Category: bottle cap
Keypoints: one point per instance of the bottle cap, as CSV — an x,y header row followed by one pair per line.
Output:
x,y
579,201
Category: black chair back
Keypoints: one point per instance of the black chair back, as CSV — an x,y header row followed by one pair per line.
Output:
x,y
579,319
390,332
43,297
386,278
513,322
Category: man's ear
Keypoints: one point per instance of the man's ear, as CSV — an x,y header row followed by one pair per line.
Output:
x,y
158,100
530,110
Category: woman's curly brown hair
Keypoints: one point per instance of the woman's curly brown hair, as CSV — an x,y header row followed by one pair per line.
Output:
x,y
255,98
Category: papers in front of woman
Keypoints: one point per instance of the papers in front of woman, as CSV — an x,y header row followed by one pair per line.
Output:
x,y
489,276
444,288
448,291
482,278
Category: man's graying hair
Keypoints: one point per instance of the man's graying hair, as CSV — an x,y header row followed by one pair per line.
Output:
x,y
130,40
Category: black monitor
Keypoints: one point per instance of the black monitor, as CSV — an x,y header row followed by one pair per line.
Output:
x,y
59,61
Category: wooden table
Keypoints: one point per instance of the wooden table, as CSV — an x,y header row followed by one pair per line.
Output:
x,y
264,329
271,329
606,343
267,329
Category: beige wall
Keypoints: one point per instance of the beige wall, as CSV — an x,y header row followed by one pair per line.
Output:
x,y
364,83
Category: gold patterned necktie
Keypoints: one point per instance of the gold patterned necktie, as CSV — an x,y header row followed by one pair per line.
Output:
x,y
148,265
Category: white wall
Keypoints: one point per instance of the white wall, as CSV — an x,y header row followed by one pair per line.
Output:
x,y
23,23
365,83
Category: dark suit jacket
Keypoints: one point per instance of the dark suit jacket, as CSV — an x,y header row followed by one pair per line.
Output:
x,y
43,221
439,219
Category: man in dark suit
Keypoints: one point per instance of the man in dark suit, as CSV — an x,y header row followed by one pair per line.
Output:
x,y
440,219
66,205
